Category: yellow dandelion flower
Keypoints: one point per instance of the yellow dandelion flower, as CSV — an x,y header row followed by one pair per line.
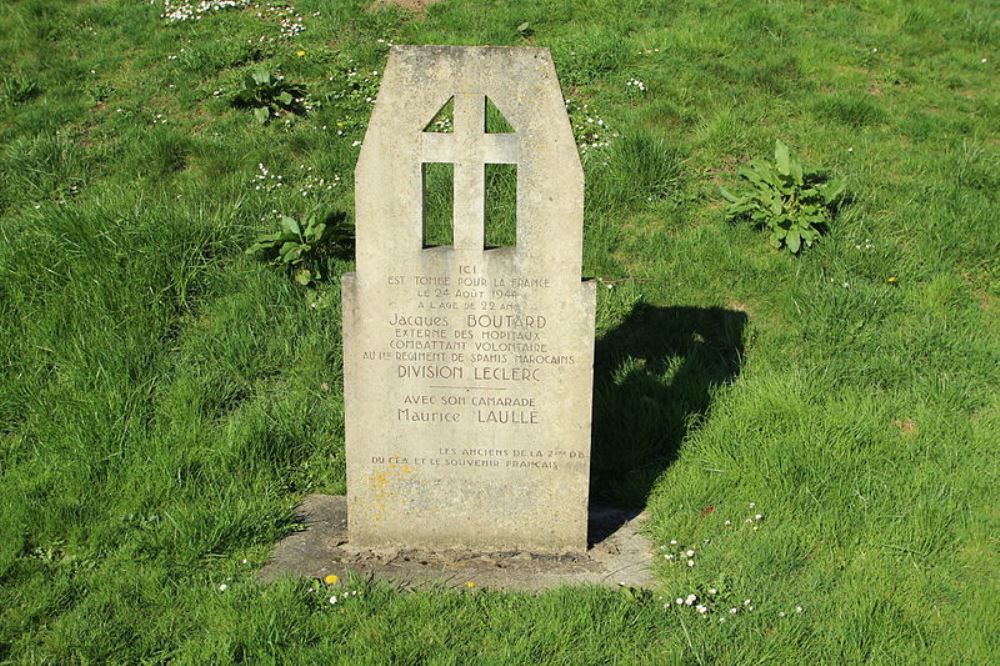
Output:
x,y
470,584
330,580
892,279
300,53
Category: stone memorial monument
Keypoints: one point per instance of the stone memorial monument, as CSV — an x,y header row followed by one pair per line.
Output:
x,y
468,370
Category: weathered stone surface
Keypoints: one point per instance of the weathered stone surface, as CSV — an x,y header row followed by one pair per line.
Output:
x,y
621,556
468,372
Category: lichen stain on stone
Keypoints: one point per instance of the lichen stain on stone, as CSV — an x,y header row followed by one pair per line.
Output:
x,y
381,484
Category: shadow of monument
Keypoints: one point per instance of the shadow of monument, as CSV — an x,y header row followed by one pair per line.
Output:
x,y
654,375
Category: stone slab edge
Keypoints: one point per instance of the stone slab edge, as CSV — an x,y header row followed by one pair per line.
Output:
x,y
623,558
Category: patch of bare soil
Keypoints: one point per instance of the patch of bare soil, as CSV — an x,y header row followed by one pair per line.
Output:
x,y
906,426
415,6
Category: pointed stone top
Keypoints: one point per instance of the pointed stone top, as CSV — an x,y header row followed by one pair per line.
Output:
x,y
421,81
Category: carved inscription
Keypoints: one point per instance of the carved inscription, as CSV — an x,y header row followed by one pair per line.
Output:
x,y
485,357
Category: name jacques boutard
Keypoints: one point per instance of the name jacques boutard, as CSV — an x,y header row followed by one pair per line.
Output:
x,y
468,370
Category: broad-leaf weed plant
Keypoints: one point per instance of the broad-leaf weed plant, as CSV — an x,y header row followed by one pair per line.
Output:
x,y
794,203
270,95
305,247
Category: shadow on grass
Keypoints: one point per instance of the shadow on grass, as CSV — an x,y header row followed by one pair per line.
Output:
x,y
339,241
654,376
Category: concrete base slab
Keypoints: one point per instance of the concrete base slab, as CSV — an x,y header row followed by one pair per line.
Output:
x,y
617,556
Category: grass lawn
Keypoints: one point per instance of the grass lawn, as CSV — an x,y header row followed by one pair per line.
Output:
x,y
166,400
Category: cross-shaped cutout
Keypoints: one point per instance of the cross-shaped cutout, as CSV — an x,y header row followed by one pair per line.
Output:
x,y
470,148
